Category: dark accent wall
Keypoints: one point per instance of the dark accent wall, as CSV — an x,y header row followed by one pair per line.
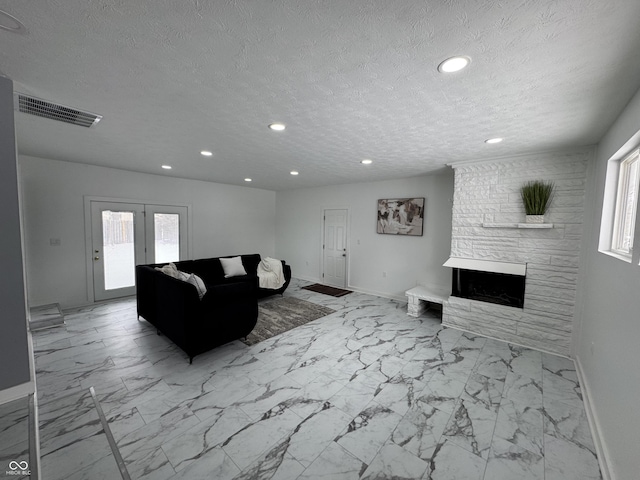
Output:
x,y
14,350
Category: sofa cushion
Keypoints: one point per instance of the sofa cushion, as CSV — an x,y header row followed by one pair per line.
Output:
x,y
251,262
208,269
232,267
185,265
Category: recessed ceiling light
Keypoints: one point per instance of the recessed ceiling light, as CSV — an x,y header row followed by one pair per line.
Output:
x,y
293,172
366,161
278,127
166,167
247,179
454,64
206,153
10,23
494,140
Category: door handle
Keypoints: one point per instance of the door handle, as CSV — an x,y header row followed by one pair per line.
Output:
x,y
96,258
344,254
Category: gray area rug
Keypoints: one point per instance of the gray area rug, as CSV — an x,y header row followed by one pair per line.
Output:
x,y
282,314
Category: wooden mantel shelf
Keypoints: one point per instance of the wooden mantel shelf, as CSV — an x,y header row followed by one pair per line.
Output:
x,y
517,225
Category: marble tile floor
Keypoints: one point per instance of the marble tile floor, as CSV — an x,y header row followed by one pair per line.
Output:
x,y
14,437
366,392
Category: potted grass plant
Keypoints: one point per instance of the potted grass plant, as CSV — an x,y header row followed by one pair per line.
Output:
x,y
536,197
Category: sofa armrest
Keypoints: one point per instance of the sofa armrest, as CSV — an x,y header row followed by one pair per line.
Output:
x,y
146,292
177,306
286,269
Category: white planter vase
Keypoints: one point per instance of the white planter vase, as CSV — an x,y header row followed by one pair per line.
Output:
x,y
534,219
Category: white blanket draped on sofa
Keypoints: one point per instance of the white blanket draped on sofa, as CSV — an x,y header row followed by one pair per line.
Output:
x,y
270,274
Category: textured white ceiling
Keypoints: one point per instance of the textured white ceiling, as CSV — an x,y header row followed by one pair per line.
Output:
x,y
350,79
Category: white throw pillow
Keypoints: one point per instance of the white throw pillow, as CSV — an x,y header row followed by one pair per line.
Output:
x,y
197,282
232,267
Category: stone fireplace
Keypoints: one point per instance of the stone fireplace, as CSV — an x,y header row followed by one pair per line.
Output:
x,y
488,233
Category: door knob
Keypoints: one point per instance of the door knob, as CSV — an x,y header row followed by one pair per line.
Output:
x,y
344,254
96,258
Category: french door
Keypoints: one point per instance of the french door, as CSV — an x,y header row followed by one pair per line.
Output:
x,y
128,234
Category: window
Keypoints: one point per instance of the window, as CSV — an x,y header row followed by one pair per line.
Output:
x,y
626,205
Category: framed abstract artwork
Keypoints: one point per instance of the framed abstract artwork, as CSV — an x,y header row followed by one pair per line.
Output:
x,y
401,216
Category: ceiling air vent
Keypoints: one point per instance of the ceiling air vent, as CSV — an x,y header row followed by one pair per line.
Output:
x,y
43,108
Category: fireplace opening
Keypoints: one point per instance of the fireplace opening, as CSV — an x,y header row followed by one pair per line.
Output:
x,y
499,288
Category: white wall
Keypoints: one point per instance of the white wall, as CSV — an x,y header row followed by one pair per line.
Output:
x,y
226,219
14,350
407,260
608,344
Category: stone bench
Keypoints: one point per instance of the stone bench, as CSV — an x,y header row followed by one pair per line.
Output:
x,y
420,295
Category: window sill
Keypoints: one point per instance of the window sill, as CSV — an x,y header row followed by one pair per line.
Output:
x,y
619,256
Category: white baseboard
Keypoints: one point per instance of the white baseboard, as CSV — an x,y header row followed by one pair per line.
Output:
x,y
307,279
604,458
359,290
378,294
14,393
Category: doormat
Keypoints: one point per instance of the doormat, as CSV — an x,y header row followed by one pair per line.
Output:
x,y
333,291
281,315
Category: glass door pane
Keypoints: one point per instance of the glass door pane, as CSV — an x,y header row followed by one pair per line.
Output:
x,y
119,249
167,237
166,233
117,246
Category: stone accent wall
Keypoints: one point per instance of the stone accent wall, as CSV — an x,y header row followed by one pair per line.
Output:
x,y
489,193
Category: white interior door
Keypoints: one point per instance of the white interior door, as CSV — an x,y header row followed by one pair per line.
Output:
x,y
335,248
117,232
166,233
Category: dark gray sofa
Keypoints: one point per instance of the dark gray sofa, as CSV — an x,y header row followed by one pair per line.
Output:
x,y
228,311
